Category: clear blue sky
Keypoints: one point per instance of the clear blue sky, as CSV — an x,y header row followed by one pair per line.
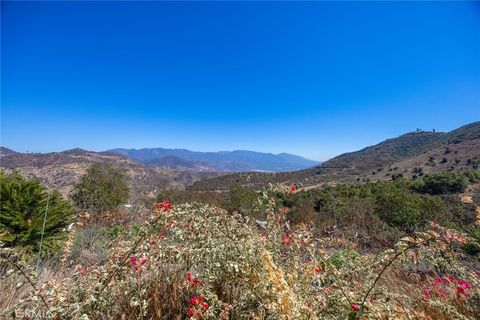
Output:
x,y
314,79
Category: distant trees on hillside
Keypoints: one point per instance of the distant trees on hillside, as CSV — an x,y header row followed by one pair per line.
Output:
x,y
442,183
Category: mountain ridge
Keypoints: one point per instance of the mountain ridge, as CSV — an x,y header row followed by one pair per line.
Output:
x,y
233,161
61,170
404,155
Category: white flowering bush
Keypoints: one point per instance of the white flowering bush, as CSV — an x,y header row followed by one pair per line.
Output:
x,y
195,261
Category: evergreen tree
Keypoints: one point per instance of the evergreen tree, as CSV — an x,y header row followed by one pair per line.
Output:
x,y
22,210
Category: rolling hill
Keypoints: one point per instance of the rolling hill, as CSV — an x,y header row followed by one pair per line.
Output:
x,y
174,162
407,155
6,152
63,169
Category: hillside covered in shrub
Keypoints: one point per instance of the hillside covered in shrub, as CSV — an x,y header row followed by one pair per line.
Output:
x,y
387,250
407,155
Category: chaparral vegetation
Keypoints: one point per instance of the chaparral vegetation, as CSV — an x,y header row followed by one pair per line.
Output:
x,y
386,250
240,160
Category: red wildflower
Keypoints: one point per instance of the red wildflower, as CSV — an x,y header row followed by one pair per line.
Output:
x,y
164,205
189,276
196,299
318,270
292,188
460,238
441,291
205,306
286,239
355,307
462,287
191,313
462,291
135,263
438,280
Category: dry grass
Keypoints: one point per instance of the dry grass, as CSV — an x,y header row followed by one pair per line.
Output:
x,y
245,273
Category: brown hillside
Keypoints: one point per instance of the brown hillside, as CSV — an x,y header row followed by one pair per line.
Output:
x,y
63,169
406,154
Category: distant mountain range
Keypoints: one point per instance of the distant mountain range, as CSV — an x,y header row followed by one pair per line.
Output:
x,y
408,155
147,170
232,161
61,170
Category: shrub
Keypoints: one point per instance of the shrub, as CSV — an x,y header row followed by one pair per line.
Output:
x,y
102,188
22,212
442,183
241,200
471,248
397,176
300,206
399,208
472,175
349,211
417,170
184,196
194,261
90,244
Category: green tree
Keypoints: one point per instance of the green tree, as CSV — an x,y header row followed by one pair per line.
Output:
x,y
443,183
405,210
102,188
242,200
22,210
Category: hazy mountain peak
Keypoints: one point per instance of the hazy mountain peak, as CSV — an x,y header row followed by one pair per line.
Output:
x,y
236,160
